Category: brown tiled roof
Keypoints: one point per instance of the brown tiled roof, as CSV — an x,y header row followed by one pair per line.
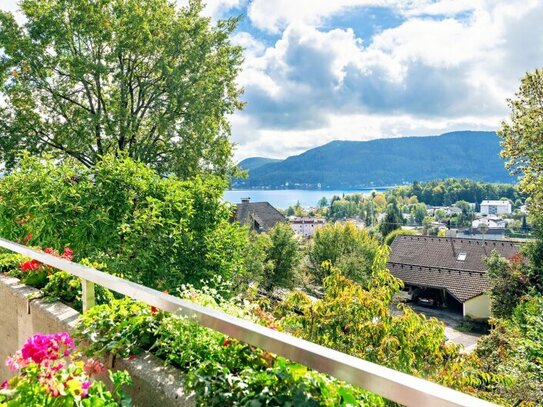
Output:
x,y
263,212
443,252
433,262
462,285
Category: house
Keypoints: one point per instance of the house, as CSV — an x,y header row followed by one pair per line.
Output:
x,y
451,270
495,207
495,233
259,216
491,222
305,226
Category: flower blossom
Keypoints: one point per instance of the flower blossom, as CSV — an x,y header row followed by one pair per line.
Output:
x,y
93,366
30,265
39,348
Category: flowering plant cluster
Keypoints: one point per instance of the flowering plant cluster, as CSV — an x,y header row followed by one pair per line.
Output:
x,y
35,273
51,375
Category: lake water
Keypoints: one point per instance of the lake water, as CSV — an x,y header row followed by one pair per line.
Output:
x,y
283,198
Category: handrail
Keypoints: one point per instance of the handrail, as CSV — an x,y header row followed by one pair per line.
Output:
x,y
390,384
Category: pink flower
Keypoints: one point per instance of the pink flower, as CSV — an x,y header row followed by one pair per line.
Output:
x,y
68,253
16,362
39,348
93,366
4,385
85,388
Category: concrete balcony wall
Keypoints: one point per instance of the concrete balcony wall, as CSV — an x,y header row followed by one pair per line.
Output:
x,y
23,313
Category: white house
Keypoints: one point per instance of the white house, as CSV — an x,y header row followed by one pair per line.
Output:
x,y
491,222
305,226
495,207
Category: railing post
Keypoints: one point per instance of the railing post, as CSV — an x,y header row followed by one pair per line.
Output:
x,y
88,299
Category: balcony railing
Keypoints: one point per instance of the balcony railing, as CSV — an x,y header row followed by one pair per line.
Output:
x,y
388,383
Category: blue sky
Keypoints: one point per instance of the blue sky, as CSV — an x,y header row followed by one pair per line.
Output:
x,y
319,70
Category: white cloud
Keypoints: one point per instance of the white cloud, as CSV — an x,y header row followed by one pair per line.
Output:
x,y
447,65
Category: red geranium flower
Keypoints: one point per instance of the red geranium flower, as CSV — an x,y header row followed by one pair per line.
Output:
x,y
154,310
28,237
30,265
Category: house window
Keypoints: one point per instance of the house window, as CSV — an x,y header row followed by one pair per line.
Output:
x,y
462,256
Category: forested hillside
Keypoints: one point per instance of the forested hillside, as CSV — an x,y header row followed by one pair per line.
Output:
x,y
352,164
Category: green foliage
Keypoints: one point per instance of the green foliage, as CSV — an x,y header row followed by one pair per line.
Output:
x,y
520,134
446,192
345,245
284,255
508,283
393,218
398,232
156,231
67,288
359,321
257,263
122,327
514,349
10,262
221,370
86,79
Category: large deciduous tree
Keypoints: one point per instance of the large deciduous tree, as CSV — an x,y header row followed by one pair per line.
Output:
x,y
522,136
86,78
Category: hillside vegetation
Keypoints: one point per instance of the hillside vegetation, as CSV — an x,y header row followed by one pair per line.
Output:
x,y
353,164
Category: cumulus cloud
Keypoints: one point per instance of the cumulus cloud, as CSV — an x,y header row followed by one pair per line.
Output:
x,y
447,64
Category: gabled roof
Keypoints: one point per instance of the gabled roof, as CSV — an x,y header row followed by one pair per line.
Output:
x,y
443,252
455,264
462,285
261,212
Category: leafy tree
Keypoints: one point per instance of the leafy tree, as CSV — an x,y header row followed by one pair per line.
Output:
x,y
258,265
393,219
359,321
521,133
323,202
283,254
84,79
345,245
157,231
508,280
419,213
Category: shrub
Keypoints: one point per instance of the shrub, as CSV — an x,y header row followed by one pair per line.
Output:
x,y
153,230
51,375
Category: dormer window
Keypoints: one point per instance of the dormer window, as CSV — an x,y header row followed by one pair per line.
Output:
x,y
462,257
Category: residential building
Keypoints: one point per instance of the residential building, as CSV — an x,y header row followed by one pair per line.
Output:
x,y
259,216
452,270
496,233
491,222
305,226
495,207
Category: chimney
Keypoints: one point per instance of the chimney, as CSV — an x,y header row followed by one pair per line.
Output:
x,y
245,200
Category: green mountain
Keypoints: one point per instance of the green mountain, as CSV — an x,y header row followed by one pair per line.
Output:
x,y
256,162
392,161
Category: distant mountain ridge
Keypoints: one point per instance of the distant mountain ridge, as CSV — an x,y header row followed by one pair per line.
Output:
x,y
256,162
383,162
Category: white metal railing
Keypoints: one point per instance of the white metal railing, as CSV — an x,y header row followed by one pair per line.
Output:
x,y
391,384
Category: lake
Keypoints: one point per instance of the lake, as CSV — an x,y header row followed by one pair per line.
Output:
x,y
283,198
